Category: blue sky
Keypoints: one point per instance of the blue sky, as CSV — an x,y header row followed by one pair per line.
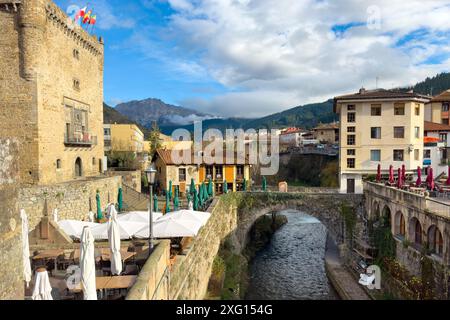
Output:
x,y
250,58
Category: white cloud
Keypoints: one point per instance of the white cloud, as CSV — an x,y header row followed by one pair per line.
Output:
x,y
281,53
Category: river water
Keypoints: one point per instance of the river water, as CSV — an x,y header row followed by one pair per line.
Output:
x,y
292,266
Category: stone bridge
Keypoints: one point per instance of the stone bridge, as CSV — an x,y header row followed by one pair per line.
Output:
x,y
232,216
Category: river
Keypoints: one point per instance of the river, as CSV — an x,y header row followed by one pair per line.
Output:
x,y
292,266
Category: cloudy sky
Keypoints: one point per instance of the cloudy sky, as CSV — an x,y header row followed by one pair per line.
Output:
x,y
249,58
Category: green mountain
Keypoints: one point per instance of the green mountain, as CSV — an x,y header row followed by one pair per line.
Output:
x,y
433,86
307,116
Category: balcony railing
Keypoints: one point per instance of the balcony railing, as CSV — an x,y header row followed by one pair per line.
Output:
x,y
80,139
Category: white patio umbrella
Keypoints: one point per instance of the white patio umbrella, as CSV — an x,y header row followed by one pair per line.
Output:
x,y
114,242
55,215
127,229
87,265
138,216
74,228
171,228
91,216
25,249
42,288
187,215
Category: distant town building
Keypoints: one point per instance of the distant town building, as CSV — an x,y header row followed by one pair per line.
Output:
x,y
437,110
378,127
436,147
291,137
327,133
126,138
181,174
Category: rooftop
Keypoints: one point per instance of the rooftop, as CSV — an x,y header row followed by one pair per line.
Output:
x,y
443,97
364,94
327,126
432,126
166,156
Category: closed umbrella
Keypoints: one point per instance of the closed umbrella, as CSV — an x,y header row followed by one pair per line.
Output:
x,y
170,190
419,177
167,202
55,215
200,195
225,187
205,192
245,185
430,179
448,177
42,288
399,178
192,187
210,188
379,173
25,249
87,265
155,203
196,200
176,202
91,216
120,200
264,184
99,207
403,173
114,242
391,175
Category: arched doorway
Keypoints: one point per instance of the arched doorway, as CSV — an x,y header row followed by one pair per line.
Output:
x,y
78,167
435,240
400,226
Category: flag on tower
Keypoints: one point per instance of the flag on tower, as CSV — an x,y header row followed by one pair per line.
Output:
x,y
81,13
93,19
87,17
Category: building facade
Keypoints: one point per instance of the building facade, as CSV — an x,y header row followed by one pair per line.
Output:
x,y
436,147
181,174
327,133
378,127
51,92
437,110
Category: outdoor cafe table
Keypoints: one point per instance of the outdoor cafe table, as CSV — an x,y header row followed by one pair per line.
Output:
x,y
105,254
107,283
51,254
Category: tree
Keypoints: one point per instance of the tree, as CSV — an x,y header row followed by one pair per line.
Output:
x,y
154,138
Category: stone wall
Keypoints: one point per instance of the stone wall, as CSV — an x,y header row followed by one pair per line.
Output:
x,y
130,178
73,200
11,277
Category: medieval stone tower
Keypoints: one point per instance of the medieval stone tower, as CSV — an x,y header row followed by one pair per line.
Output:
x,y
51,114
51,95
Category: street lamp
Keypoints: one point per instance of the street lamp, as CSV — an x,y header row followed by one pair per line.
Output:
x,y
151,175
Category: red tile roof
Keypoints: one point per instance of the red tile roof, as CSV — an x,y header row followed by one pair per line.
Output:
x,y
443,97
166,157
432,126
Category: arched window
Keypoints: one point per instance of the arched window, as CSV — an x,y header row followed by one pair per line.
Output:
x,y
400,226
415,232
435,241
78,168
58,164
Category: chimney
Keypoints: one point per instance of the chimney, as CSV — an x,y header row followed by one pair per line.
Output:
x,y
362,90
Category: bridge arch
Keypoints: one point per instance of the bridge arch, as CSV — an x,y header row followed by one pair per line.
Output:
x,y
400,225
435,240
415,231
